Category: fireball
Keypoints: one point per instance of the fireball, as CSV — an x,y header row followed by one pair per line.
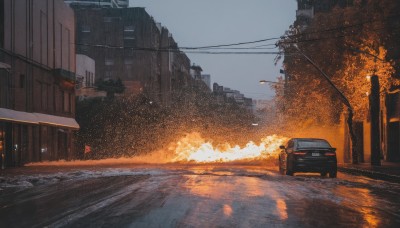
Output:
x,y
193,148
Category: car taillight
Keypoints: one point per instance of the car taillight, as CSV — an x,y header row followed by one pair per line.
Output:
x,y
300,152
330,154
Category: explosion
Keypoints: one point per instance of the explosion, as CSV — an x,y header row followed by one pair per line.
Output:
x,y
193,148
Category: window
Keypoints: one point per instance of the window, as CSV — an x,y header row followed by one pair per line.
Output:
x,y
290,144
107,19
129,28
108,74
109,62
66,101
91,79
313,144
129,33
85,28
21,81
128,61
129,36
44,96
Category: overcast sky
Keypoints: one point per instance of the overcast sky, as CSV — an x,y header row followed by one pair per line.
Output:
x,y
195,23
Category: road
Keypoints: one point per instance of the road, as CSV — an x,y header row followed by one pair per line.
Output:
x,y
193,196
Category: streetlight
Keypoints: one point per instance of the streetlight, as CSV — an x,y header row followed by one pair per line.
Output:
x,y
266,81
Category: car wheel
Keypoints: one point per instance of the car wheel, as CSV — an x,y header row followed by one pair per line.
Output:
x,y
332,174
281,170
323,174
289,171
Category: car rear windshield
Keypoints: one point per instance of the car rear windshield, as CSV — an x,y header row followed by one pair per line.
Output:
x,y
313,144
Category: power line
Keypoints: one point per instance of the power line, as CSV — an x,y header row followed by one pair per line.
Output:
x,y
225,46
292,36
233,44
327,38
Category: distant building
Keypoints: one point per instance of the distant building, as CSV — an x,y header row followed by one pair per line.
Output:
x,y
195,72
206,78
37,81
111,37
98,3
85,78
224,94
306,9
127,43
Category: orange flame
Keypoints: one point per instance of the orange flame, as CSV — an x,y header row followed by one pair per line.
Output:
x,y
193,148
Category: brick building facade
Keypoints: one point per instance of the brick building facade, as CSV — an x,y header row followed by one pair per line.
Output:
x,y
37,100
127,43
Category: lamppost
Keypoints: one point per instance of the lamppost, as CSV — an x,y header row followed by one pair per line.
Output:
x,y
266,81
374,110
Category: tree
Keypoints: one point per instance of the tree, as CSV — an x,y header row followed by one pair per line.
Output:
x,y
330,39
111,86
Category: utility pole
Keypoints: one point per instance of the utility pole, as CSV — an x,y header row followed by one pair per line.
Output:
x,y
374,100
345,101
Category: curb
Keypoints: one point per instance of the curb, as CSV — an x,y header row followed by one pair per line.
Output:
x,y
371,174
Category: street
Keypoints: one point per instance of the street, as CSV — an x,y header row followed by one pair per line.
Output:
x,y
189,195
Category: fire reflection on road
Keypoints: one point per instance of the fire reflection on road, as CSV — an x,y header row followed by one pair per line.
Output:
x,y
357,196
195,196
281,209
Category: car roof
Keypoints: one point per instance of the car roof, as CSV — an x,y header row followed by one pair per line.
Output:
x,y
309,139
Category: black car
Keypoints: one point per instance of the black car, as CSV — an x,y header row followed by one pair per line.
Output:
x,y
308,155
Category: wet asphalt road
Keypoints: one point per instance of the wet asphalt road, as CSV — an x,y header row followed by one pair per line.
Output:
x,y
193,196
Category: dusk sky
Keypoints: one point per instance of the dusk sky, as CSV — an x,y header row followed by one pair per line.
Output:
x,y
195,23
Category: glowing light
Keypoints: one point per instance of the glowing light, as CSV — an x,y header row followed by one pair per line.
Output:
x,y
282,209
368,77
193,148
227,210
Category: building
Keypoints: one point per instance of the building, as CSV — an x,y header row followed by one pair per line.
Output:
x,y
85,78
98,3
195,73
225,94
116,39
127,43
206,78
37,79
306,9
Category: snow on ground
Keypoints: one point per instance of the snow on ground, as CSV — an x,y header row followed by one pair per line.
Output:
x,y
27,181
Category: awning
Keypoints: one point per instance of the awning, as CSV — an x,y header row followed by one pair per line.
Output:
x,y
57,121
17,116
37,118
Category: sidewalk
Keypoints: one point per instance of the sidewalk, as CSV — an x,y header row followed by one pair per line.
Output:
x,y
388,171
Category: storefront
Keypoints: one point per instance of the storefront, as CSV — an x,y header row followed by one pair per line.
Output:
x,y
34,137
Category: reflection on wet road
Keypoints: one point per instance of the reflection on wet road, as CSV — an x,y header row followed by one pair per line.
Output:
x,y
194,196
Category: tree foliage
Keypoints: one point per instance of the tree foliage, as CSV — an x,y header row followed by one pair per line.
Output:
x,y
111,86
330,39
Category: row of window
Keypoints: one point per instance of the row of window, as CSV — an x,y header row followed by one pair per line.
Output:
x,y
110,61
127,29
46,93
